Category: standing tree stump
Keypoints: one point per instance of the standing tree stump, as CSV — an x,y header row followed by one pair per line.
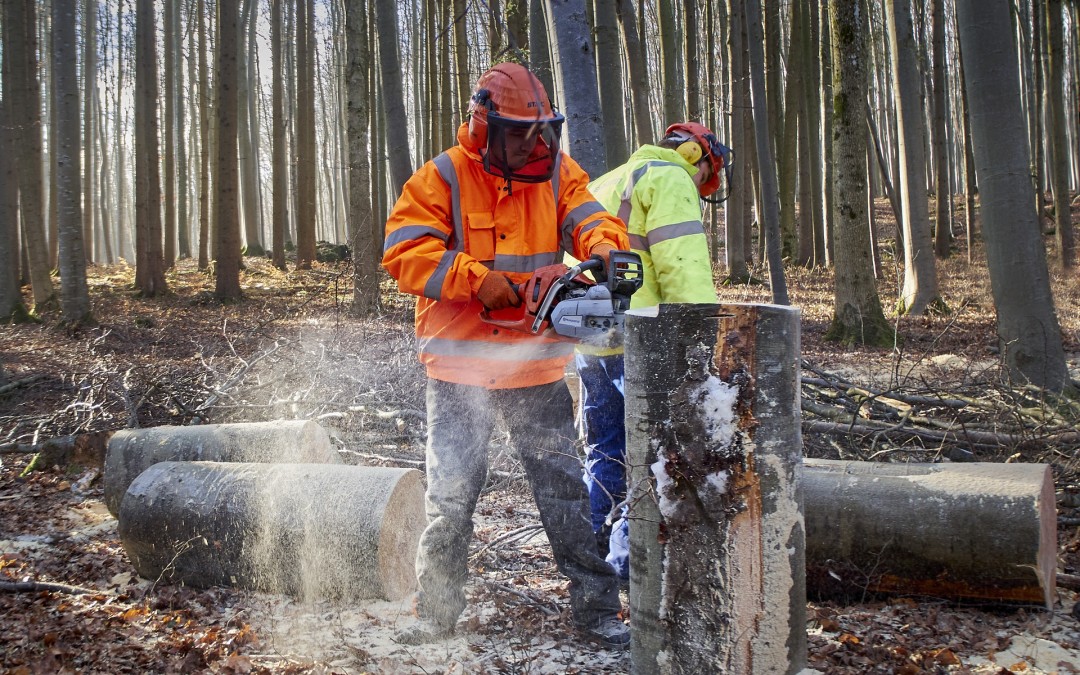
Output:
x,y
312,530
716,531
974,531
132,451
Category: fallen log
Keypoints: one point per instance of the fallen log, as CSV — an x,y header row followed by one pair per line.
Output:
x,y
132,451
973,531
310,530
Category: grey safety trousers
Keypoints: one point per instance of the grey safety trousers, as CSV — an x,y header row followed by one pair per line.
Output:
x,y
540,420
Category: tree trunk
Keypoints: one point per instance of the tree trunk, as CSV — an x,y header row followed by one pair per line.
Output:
x,y
672,87
789,146
693,45
149,262
204,142
227,183
714,445
1027,324
11,303
183,134
366,245
920,274
943,236
858,317
306,206
609,59
1059,140
67,168
169,131
970,184
20,49
770,199
393,98
311,530
577,89
735,222
90,122
279,165
246,92
540,45
132,451
639,73
971,531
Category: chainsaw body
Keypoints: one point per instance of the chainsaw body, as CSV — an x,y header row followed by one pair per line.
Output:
x,y
561,302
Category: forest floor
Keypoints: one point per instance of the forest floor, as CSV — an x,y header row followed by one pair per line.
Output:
x,y
291,350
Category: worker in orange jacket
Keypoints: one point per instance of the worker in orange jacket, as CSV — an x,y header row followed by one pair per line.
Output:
x,y
470,223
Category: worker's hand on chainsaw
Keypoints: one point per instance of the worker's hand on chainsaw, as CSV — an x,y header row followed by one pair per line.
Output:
x,y
495,292
601,252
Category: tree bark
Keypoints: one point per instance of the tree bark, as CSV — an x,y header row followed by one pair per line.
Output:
x,y
67,166
363,231
971,531
204,142
920,273
279,166
347,532
1059,138
714,447
770,199
227,184
577,87
736,252
672,87
149,261
132,451
90,122
609,59
306,206
11,303
858,317
943,236
639,73
1027,324
393,99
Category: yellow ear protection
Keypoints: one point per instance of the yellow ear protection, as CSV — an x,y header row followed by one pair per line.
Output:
x,y
690,151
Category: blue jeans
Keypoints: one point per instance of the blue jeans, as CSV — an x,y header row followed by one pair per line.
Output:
x,y
602,410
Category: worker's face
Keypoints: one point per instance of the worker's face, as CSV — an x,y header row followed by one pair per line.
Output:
x,y
704,172
517,144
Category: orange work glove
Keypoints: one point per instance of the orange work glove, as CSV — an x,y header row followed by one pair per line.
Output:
x,y
495,292
602,251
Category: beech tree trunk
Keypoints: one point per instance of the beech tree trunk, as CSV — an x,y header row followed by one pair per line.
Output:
x,y
714,445
132,451
310,530
974,531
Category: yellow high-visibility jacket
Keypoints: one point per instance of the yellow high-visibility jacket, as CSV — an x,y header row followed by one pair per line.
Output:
x,y
654,194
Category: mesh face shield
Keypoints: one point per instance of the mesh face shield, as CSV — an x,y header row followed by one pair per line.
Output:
x,y
522,150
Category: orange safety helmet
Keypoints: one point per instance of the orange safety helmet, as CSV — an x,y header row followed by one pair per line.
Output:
x,y
510,101
699,139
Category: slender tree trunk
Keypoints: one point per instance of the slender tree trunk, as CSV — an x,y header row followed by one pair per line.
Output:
x,y
540,45
226,212
574,60
249,180
20,48
149,262
969,162
858,317
639,73
943,218
1027,325
11,303
770,217
611,95
169,130
393,97
920,274
1059,140
363,235
204,143
90,124
735,224
789,148
692,48
812,91
124,245
67,168
183,224
279,166
673,87
305,136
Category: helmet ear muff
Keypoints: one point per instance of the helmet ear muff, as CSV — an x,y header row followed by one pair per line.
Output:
x,y
690,151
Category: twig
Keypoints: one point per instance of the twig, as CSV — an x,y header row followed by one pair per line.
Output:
x,y
35,586
12,386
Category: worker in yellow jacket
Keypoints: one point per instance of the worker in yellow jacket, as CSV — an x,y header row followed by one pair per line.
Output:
x,y
658,194
470,223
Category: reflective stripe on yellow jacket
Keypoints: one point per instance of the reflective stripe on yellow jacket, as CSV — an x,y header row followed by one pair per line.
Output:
x,y
454,224
654,194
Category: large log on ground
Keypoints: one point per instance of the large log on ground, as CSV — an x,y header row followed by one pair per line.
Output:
x,y
714,447
971,531
312,530
132,451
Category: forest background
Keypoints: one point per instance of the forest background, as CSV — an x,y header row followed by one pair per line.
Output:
x,y
173,171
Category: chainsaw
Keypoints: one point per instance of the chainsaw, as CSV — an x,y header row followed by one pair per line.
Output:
x,y
561,302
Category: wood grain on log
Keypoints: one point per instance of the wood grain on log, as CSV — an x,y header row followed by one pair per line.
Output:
x,y
313,530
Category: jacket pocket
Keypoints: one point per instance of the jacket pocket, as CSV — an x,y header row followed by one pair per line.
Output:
x,y
481,234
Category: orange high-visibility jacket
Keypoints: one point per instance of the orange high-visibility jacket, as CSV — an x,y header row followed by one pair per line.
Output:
x,y
452,226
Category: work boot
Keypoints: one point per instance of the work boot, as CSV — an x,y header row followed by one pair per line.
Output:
x,y
609,632
423,632
603,541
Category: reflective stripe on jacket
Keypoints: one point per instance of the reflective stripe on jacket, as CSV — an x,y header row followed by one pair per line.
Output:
x,y
654,194
454,224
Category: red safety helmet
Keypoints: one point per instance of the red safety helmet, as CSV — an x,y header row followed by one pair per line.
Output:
x,y
699,139
510,104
